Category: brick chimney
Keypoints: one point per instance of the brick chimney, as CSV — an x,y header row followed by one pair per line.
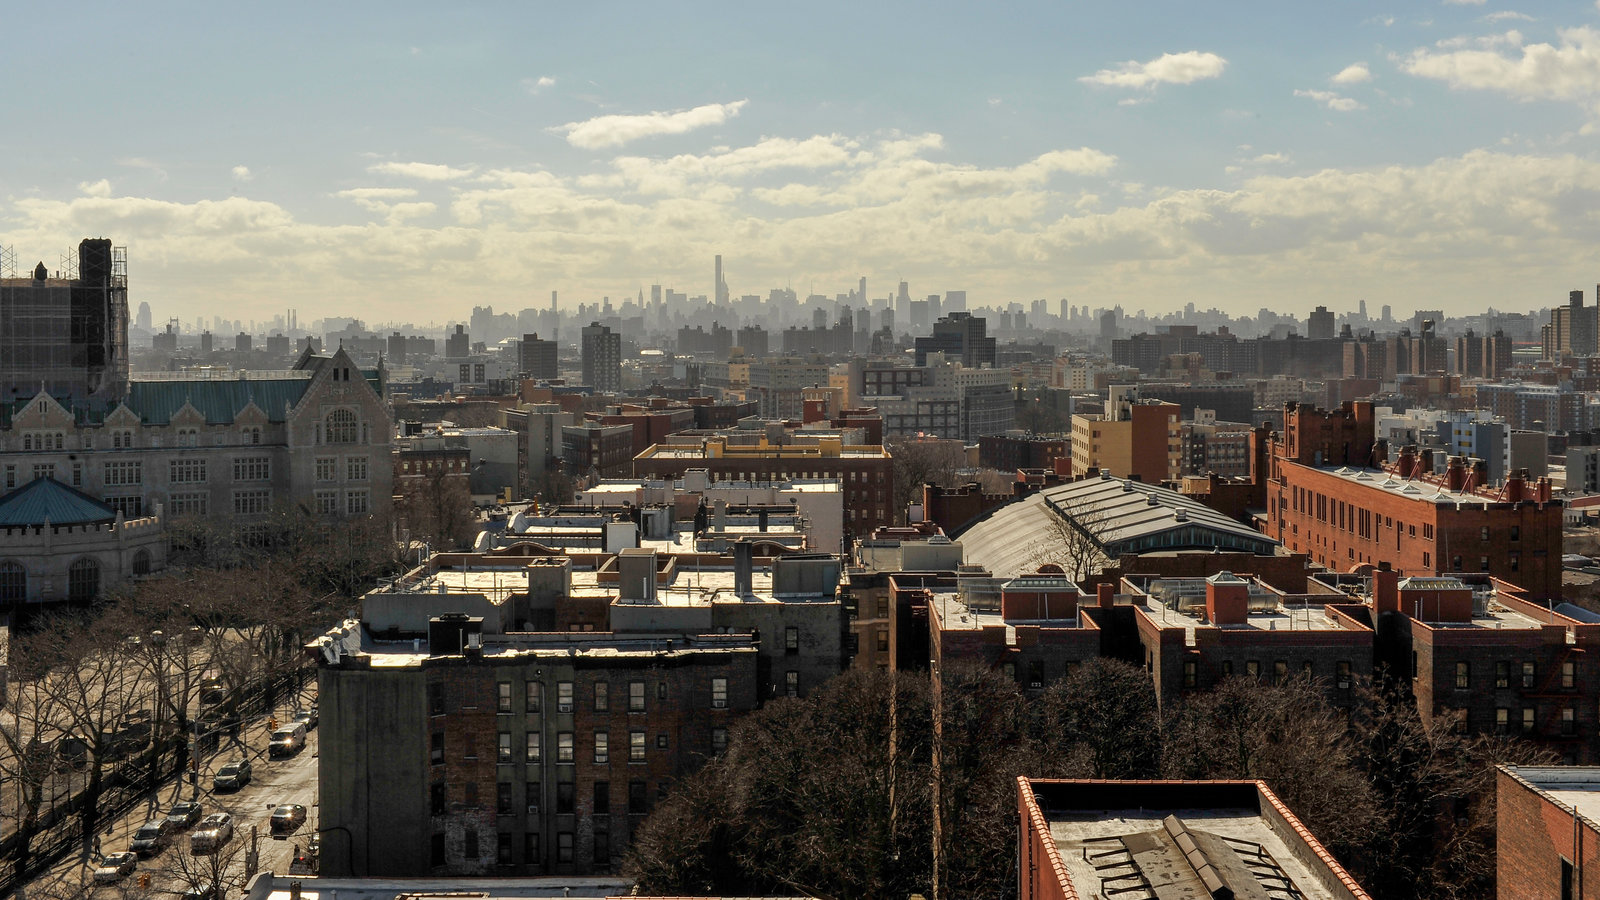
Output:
x,y
1385,590
1227,599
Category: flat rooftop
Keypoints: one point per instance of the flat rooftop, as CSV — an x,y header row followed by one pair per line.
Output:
x,y
1411,489
1574,787
738,452
268,886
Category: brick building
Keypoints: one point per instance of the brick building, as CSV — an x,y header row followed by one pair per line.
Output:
x,y
865,471
593,447
1019,450
1546,838
1330,496
1136,439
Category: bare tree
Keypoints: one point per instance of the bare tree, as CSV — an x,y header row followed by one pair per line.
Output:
x,y
28,761
919,462
1104,714
183,869
1075,537
436,506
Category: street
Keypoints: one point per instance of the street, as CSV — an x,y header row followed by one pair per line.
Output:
x,y
291,779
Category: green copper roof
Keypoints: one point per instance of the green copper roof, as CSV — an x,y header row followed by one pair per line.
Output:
x,y
47,500
218,400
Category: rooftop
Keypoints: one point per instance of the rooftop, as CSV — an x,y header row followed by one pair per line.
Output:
x,y
1413,489
47,501
276,887
1575,788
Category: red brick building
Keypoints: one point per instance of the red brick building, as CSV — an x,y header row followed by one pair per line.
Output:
x,y
1331,496
1547,842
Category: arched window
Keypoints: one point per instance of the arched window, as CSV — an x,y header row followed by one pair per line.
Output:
x,y
83,580
341,427
27,442
141,563
255,435
13,581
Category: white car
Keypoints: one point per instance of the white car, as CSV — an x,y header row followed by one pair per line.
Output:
x,y
212,832
116,867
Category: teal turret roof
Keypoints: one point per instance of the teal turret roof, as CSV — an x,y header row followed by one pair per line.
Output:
x,y
45,500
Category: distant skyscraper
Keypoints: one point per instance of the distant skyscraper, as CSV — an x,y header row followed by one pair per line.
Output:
x,y
721,293
538,358
955,301
1321,324
144,316
602,357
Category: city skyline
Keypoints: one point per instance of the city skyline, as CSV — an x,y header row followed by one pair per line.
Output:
x,y
1434,157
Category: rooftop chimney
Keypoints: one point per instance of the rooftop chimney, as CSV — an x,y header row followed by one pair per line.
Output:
x,y
1385,590
1227,599
744,557
1105,596
636,575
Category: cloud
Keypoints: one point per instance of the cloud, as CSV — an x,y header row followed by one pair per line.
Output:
x,y
535,85
1271,159
1463,2
377,193
101,188
1355,73
1332,101
242,173
139,162
1566,71
1506,14
616,130
1170,68
421,171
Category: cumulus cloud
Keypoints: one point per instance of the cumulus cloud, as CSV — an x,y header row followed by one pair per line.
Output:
x,y
1169,68
421,171
616,130
1332,101
1463,2
1355,73
242,173
1507,15
377,193
535,85
101,188
1568,70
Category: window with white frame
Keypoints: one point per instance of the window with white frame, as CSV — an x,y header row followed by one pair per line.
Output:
x,y
327,503
251,503
121,473
357,503
188,470
355,468
44,470
327,468
191,504
341,427
252,468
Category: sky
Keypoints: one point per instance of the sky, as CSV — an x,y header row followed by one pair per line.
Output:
x,y
403,162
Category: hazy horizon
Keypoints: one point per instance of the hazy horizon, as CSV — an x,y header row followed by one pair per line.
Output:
x,y
398,163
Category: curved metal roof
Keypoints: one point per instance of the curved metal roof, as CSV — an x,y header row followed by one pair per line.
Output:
x,y
1119,515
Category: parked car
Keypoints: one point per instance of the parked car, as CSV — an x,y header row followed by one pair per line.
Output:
x,y
212,832
116,867
232,776
203,892
152,837
288,817
184,815
306,717
287,741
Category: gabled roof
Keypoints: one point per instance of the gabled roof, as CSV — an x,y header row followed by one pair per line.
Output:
x,y
45,500
218,400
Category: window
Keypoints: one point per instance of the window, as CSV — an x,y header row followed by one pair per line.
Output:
x,y
327,468
1516,532
252,468
502,798
1252,668
1280,672
719,740
11,477
502,697
1569,674
1502,674
661,690
130,507
564,847
791,640
883,640
1529,671
564,747
77,475
1483,534
436,798
251,503
564,801
533,695
117,474
531,747
436,851
1527,720
503,747
602,696
436,748
13,581
254,434
1502,720
638,798
1341,672
355,468
1463,675
341,427
602,747
83,580
791,683
635,696
122,439
883,607
188,470
327,502
435,699
356,503
602,848
189,504
530,849
602,798
1190,673
1569,721
502,848
469,848
531,790
564,696
661,742
719,693
635,746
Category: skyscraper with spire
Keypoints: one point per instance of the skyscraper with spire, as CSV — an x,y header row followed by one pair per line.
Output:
x,y
721,293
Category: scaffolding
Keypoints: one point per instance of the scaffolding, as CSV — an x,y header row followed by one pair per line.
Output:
x,y
8,261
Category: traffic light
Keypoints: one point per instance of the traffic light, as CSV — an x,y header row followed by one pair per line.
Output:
x,y
144,881
272,723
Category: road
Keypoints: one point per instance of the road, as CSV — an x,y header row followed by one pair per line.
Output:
x,y
274,781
